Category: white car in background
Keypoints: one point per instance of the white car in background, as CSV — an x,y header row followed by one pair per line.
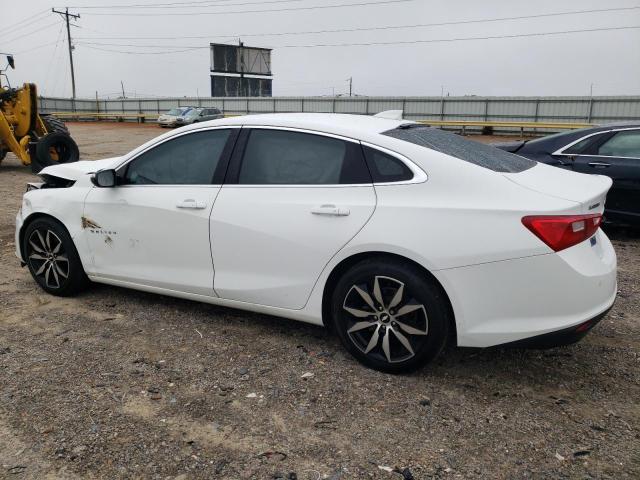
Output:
x,y
196,115
399,236
170,118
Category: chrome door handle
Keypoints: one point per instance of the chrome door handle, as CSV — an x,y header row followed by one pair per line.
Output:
x,y
191,203
599,164
330,210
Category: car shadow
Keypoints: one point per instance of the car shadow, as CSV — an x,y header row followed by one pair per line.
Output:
x,y
516,367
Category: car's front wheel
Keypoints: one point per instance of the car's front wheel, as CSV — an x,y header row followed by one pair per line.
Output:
x,y
390,315
52,258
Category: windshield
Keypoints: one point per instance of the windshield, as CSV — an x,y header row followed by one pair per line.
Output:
x,y
192,113
461,148
178,111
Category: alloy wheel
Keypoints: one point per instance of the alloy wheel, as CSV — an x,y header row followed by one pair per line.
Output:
x,y
385,320
47,258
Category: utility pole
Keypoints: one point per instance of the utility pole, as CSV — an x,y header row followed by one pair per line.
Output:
x,y
122,85
66,15
350,85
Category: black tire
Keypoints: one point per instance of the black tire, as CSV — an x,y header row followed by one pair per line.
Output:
x,y
424,325
54,124
3,153
51,254
65,148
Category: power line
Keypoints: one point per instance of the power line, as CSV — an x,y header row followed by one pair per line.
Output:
x,y
53,55
274,10
40,29
34,48
190,47
364,29
57,65
461,39
359,44
168,4
142,53
202,4
19,25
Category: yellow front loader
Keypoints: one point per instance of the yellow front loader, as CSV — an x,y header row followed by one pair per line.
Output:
x,y
37,140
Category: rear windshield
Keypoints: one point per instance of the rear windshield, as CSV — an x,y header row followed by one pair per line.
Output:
x,y
560,136
461,148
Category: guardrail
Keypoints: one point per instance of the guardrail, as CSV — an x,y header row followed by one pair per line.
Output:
x,y
119,117
462,124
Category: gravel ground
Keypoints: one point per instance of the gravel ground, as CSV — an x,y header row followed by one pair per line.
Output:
x,y
123,384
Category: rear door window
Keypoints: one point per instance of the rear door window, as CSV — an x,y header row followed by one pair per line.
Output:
x,y
622,144
282,157
459,147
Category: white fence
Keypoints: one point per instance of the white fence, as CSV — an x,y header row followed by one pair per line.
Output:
x,y
521,109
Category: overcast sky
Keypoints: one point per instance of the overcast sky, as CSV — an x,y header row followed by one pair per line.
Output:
x,y
559,64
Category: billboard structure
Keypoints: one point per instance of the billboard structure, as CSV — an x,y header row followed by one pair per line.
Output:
x,y
239,71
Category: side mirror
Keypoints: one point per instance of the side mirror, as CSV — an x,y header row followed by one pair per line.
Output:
x,y
104,178
11,62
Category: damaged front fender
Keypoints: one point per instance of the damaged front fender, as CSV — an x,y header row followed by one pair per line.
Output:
x,y
66,205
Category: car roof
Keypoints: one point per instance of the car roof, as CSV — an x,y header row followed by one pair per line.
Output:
x,y
551,143
349,125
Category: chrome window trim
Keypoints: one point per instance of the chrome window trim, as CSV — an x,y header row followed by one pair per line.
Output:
x,y
128,160
419,175
561,150
299,185
596,156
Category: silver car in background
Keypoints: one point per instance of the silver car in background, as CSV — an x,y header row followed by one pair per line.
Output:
x,y
196,115
169,119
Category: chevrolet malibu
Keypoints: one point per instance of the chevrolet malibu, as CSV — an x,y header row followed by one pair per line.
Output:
x,y
398,236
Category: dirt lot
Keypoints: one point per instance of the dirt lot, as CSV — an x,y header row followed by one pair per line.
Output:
x,y
122,384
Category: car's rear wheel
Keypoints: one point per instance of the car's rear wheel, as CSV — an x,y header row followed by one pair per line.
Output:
x,y
390,315
52,258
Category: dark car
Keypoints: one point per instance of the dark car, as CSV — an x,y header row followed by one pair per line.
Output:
x,y
612,150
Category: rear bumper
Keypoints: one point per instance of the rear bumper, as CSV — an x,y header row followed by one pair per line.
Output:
x,y
559,338
504,302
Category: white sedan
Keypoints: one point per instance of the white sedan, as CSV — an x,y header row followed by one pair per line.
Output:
x,y
170,119
399,236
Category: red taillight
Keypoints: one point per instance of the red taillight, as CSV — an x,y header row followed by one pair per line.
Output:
x,y
563,231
